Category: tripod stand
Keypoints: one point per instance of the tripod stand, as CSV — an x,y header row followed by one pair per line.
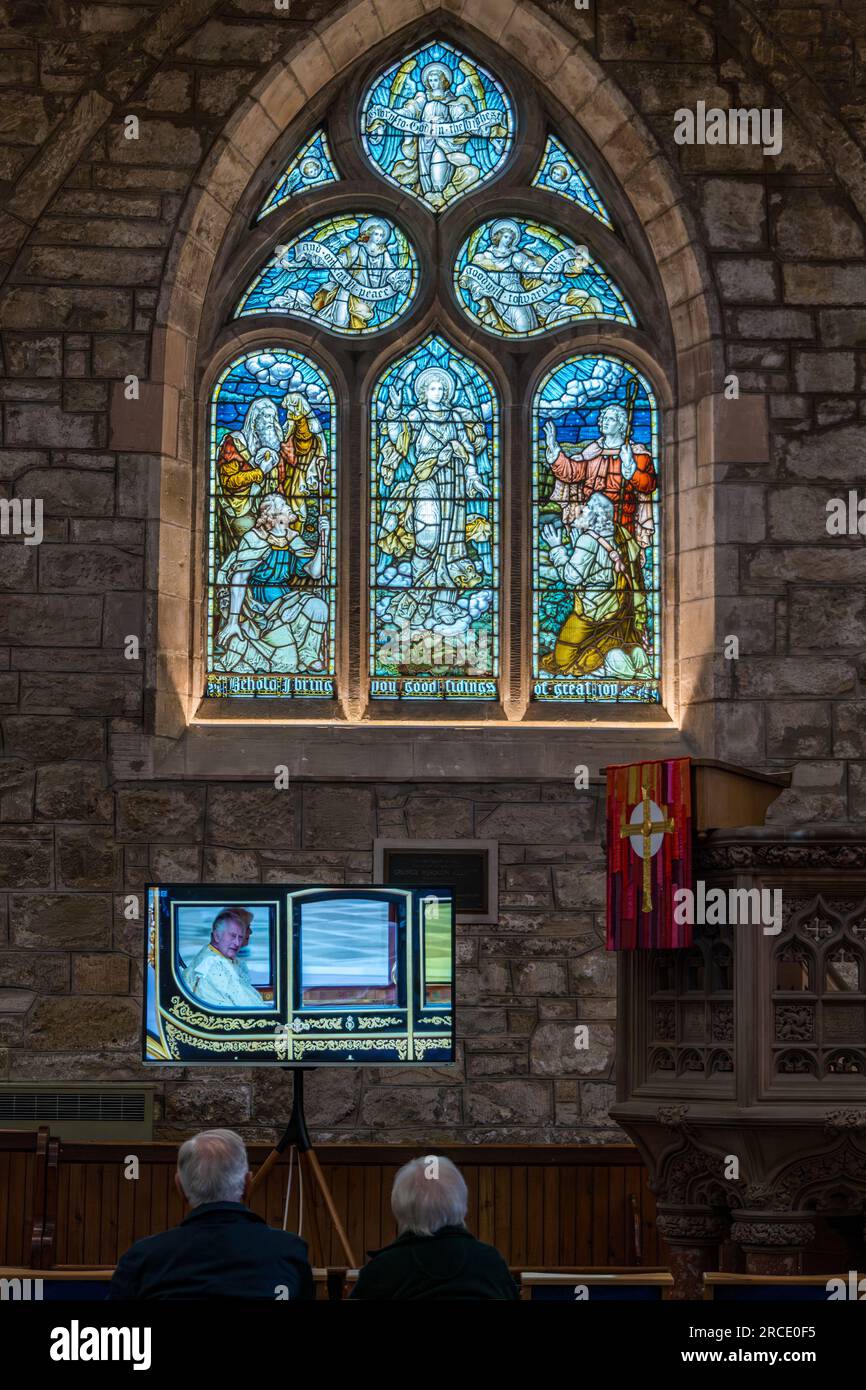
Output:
x,y
296,1138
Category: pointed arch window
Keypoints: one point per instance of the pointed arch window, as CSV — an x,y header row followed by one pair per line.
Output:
x,y
435,465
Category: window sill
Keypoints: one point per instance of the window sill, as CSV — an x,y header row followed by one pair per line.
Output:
x,y
251,745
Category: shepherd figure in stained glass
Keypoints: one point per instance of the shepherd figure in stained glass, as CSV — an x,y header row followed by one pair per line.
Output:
x,y
432,465
274,619
613,464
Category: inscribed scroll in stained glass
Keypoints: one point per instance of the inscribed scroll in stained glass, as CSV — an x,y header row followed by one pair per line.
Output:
x,y
437,124
519,278
353,274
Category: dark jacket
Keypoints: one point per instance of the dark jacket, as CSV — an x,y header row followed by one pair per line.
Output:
x,y
220,1250
449,1265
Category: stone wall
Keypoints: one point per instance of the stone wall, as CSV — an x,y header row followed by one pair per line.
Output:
x,y
84,240
72,967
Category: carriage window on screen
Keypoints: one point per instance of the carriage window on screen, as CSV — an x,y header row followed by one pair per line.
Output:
x,y
348,953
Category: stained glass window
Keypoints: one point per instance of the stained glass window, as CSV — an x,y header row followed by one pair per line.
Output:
x,y
272,517
559,172
434,541
595,534
311,167
519,278
437,124
353,274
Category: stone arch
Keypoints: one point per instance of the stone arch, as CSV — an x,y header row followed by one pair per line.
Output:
x,y
555,59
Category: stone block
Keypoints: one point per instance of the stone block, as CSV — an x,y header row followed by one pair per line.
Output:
x,y
540,977
507,1102
65,306
176,864
771,677
387,1107
823,618
73,791
529,822
34,354
204,1102
771,323
733,431
63,1023
43,971
799,728
73,694
232,866
797,514
834,454
596,1098
825,371
100,974
840,328
26,861
160,813
593,974
258,816
824,284
797,807
857,791
849,739
86,859
553,1053
579,886
746,279
332,1096
88,569
642,32
69,491
339,816
161,142
734,214
809,224
439,817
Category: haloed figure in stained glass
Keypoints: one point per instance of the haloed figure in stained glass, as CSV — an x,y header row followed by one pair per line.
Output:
x,y
600,549
517,290
436,125
433,465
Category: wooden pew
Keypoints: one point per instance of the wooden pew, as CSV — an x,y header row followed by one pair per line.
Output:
x,y
760,1288
602,1285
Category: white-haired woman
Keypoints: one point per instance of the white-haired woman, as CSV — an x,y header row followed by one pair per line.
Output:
x,y
434,1256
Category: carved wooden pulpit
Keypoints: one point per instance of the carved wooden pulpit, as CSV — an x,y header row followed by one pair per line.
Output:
x,y
742,1059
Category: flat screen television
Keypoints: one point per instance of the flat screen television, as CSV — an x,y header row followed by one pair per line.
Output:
x,y
275,975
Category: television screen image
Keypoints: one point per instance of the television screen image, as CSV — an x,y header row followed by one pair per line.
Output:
x,y
272,975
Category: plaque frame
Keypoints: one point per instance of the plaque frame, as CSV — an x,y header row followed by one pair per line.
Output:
x,y
488,849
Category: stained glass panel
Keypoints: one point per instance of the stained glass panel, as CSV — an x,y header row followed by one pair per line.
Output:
x,y
434,540
311,167
519,278
437,124
595,534
272,518
559,172
353,274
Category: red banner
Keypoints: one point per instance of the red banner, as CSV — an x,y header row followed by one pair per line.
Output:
x,y
649,853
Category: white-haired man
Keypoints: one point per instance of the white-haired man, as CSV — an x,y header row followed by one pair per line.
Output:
x,y
434,1256
221,1249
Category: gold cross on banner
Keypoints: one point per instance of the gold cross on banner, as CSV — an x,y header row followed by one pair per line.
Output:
x,y
646,828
